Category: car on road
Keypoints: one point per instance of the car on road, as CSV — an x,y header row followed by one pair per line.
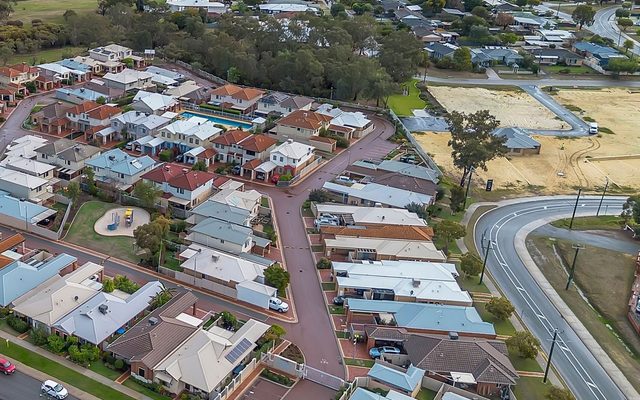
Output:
x,y
376,352
54,390
278,305
593,128
6,367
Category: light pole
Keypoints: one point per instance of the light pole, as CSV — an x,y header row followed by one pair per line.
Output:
x,y
486,256
466,193
604,192
553,344
575,207
578,247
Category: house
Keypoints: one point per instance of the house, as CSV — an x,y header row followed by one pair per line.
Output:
x,y
228,274
176,76
363,316
238,98
347,124
68,155
290,158
301,124
557,36
112,57
12,248
270,8
109,93
182,188
44,305
78,95
424,233
596,52
221,211
248,200
518,141
26,273
18,74
77,66
88,115
453,11
25,146
157,335
239,147
364,394
549,56
413,178
136,124
205,361
406,381
369,216
154,103
211,7
29,166
227,236
188,91
52,119
119,168
18,212
128,79
186,134
98,319
62,73
374,194
278,103
482,365
25,186
377,249
400,281
94,66
200,154
438,51
526,21
490,55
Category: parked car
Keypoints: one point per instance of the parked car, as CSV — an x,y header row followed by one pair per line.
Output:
x,y
325,221
344,179
236,170
275,178
278,305
376,352
54,390
129,146
6,367
339,300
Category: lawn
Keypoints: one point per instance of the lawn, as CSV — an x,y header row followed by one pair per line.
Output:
x,y
336,310
471,284
577,70
48,55
81,233
132,384
426,394
100,368
502,327
358,362
524,364
590,223
61,372
402,105
49,10
328,286
531,389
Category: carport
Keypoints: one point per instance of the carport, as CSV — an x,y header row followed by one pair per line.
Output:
x,y
255,293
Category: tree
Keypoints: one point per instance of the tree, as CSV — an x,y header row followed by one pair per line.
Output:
x,y
435,6
323,263
631,208
277,277
91,181
147,193
73,191
400,55
462,59
456,199
338,9
229,321
504,20
150,236
417,208
448,231
470,264
319,196
482,12
628,44
274,332
473,141
618,65
108,286
583,15
558,393
625,23
524,343
162,297
457,4
68,14
500,307
124,284
199,166
101,100
622,13
6,53
55,344
5,9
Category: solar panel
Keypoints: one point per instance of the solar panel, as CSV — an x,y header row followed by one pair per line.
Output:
x,y
239,350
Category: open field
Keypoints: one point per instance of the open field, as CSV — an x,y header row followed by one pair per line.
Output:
x,y
607,289
45,56
510,107
403,105
50,10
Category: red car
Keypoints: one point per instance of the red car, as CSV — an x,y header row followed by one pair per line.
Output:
x,y
275,178
6,367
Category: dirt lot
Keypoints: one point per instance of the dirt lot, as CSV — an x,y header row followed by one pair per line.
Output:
x,y
510,107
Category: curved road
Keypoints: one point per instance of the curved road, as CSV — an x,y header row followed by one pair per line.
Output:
x,y
605,26
572,358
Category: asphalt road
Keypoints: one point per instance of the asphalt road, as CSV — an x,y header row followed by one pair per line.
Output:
x,y
605,26
573,360
20,386
578,126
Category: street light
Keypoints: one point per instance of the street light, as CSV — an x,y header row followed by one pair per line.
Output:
x,y
553,344
486,256
575,207
606,186
578,247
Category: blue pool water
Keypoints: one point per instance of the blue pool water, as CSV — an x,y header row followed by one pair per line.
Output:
x,y
219,120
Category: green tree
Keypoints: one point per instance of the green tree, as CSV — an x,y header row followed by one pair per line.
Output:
x,y
108,286
151,236
124,284
583,15
470,264
147,193
558,393
434,6
417,208
6,53
482,12
524,343
38,336
473,141
68,14
162,297
625,23
500,307
274,332
228,320
233,74
622,13
456,199
323,263
338,9
448,231
318,196
277,277
619,65
628,44
5,9
199,166
73,191
400,55
631,209
462,59
55,344
101,100
91,181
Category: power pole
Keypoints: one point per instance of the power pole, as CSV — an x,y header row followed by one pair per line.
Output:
x,y
578,247
466,193
604,192
553,344
486,256
575,207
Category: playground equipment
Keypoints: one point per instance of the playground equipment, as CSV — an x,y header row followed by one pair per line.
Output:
x,y
128,217
116,221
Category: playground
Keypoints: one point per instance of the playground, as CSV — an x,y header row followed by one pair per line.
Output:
x,y
121,221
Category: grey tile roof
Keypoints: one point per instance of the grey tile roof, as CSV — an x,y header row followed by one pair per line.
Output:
x,y
517,138
223,230
396,377
223,212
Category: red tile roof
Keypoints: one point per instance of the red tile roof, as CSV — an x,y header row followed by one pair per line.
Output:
x,y
305,120
24,67
83,107
219,181
176,176
258,143
253,164
104,112
208,153
10,72
232,137
238,92
163,173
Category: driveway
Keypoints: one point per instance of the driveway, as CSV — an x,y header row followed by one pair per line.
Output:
x,y
12,127
578,126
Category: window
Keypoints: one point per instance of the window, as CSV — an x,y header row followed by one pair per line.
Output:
x,y
250,153
221,240
281,159
67,162
121,176
141,372
190,140
197,141
275,158
180,190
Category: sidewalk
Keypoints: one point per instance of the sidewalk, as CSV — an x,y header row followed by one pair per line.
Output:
x,y
63,361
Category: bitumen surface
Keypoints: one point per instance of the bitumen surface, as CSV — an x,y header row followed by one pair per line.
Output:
x,y
21,386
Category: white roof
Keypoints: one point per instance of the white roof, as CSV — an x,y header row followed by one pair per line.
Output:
x,y
26,164
246,200
25,146
344,118
266,167
20,178
293,149
163,80
379,193
154,101
195,151
220,265
182,90
149,141
422,270
407,250
200,127
59,69
463,377
414,8
194,3
127,76
373,215
286,7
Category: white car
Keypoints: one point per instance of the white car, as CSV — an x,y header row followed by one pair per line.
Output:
x,y
54,390
278,305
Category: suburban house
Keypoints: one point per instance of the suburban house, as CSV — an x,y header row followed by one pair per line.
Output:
x,y
301,124
27,272
440,50
482,365
400,281
77,66
128,79
549,56
78,95
374,194
208,358
239,147
364,317
154,103
211,7
227,274
278,103
52,119
557,36
25,186
228,236
411,233
12,248
369,216
44,305
200,154
157,335
243,99
364,394
406,381
100,317
25,146
182,188
518,141
114,54
90,115
289,158
378,249
30,167
176,76
347,124
528,22
248,200
58,73
188,91
186,134
19,212
18,74
137,124
278,8
221,211
94,66
490,55
119,168
68,155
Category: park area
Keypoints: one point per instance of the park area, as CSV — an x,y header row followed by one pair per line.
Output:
x,y
407,100
49,10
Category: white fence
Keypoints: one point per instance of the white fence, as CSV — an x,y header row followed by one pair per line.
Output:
x,y
235,382
303,371
427,159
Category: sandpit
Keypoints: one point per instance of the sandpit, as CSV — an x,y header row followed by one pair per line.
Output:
x,y
140,217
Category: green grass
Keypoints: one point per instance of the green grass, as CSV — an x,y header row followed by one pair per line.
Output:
x,y
577,70
61,372
132,384
328,286
426,394
531,389
171,262
402,105
590,223
524,364
48,55
358,362
502,327
81,233
342,335
264,202
49,10
471,284
336,310
100,368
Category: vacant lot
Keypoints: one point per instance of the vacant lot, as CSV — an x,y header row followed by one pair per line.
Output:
x,y
50,10
510,107
605,277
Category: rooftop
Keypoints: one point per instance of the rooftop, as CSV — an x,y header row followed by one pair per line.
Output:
x,y
220,265
238,92
293,149
246,200
227,231
377,193
305,119
120,162
396,377
223,212
516,138
373,215
398,248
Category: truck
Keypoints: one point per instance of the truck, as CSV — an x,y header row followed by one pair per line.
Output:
x,y
593,128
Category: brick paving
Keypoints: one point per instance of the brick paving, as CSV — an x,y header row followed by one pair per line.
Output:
x,y
361,350
354,372
339,321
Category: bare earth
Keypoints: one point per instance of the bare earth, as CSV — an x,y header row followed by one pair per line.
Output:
x,y
511,108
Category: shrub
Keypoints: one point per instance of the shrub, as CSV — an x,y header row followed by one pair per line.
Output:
x,y
125,284
38,336
17,324
55,344
323,263
4,311
118,364
272,376
319,196
179,226
165,155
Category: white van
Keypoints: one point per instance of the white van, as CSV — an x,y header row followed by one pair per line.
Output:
x,y
593,128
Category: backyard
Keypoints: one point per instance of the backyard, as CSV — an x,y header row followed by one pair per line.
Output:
x,y
403,105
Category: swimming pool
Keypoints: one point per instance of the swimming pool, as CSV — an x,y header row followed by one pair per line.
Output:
x,y
219,120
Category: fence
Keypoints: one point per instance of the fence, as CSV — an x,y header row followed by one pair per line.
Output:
x,y
204,110
303,371
301,173
199,282
201,73
236,381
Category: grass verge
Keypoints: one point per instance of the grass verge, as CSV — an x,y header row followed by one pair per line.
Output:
x,y
589,223
502,327
132,384
326,286
531,389
99,368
